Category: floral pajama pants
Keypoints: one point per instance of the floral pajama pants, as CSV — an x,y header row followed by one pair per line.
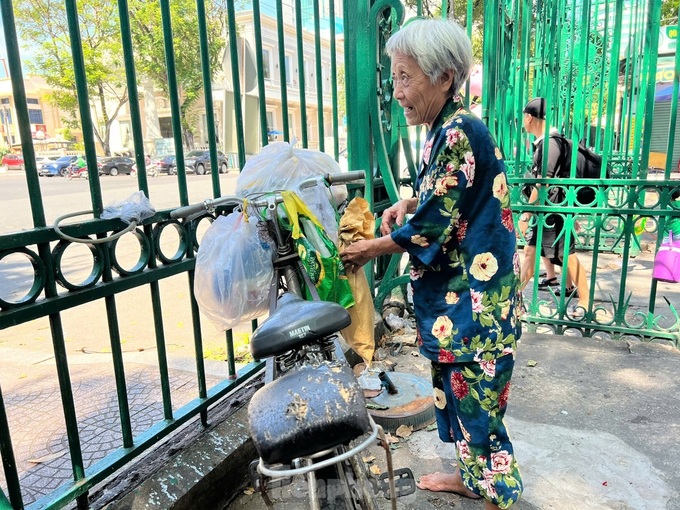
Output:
x,y
470,400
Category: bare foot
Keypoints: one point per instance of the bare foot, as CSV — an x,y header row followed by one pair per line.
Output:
x,y
445,482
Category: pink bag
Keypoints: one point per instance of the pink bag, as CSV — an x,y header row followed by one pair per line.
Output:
x,y
667,261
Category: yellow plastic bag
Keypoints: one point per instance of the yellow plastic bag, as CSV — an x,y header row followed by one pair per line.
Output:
x,y
317,252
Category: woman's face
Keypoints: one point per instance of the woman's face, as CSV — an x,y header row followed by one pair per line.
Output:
x,y
421,100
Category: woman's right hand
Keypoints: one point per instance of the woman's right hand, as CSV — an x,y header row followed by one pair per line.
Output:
x,y
395,214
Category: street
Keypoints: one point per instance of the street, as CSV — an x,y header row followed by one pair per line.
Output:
x,y
62,196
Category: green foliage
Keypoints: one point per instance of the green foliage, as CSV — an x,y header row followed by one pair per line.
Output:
x,y
456,10
669,12
44,24
147,33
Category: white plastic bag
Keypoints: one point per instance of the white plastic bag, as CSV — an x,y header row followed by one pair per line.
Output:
x,y
136,207
233,271
279,166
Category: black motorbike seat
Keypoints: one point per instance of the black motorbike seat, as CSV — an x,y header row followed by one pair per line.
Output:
x,y
296,322
308,410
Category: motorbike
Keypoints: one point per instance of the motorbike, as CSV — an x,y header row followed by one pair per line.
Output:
x,y
151,170
74,171
310,418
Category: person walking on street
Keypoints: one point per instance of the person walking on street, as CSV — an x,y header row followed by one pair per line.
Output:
x,y
552,243
464,264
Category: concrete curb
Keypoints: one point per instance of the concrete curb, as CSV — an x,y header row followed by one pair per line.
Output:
x,y
204,475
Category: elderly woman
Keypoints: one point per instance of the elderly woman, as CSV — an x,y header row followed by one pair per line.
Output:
x,y
464,265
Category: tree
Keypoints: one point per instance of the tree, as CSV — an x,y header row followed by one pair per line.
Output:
x,y
455,10
458,12
44,24
147,33
669,12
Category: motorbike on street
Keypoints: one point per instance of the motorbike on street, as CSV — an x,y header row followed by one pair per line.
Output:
x,y
74,171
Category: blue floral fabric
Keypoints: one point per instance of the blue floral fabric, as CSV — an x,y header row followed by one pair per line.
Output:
x,y
470,401
461,239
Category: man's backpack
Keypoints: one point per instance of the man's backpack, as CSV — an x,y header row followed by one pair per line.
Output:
x,y
588,166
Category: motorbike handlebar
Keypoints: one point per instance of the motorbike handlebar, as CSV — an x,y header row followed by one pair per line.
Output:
x,y
342,178
208,205
188,210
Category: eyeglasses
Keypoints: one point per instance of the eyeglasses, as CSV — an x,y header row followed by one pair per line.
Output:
x,y
402,80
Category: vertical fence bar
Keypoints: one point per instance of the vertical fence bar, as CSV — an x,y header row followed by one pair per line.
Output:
x,y
613,86
173,92
133,95
334,81
9,463
282,70
63,376
262,100
238,111
17,79
231,361
198,342
301,73
208,96
84,105
468,29
95,190
603,82
319,75
650,51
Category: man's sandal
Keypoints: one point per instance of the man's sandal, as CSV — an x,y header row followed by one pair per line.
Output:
x,y
548,282
571,291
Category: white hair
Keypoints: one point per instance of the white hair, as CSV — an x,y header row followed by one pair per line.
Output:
x,y
437,46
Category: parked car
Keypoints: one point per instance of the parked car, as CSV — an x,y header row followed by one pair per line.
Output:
x,y
58,167
12,162
166,163
115,165
199,161
44,160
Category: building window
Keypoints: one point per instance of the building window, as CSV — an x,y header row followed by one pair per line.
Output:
x,y
6,114
165,123
31,100
288,77
270,121
4,100
309,75
35,116
266,64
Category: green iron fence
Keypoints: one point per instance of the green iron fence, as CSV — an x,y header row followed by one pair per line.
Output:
x,y
300,102
593,61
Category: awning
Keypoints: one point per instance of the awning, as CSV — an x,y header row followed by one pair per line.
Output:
x,y
664,92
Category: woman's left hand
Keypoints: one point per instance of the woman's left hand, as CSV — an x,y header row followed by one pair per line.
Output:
x,y
356,255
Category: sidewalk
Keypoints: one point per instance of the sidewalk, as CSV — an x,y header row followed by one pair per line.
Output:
x,y
627,420
595,425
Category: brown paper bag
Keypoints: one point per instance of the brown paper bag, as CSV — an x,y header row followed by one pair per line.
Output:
x,y
358,223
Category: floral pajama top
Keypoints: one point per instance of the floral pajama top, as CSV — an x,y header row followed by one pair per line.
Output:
x,y
461,239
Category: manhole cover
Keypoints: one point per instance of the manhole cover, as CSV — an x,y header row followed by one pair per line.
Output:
x,y
413,405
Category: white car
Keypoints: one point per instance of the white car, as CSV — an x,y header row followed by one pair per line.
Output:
x,y
44,160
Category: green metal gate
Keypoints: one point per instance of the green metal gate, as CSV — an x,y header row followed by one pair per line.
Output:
x,y
295,83
594,62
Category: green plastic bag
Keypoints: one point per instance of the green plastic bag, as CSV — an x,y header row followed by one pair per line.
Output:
x,y
318,253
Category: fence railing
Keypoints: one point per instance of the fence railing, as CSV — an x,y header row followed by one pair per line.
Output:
x,y
46,288
286,42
